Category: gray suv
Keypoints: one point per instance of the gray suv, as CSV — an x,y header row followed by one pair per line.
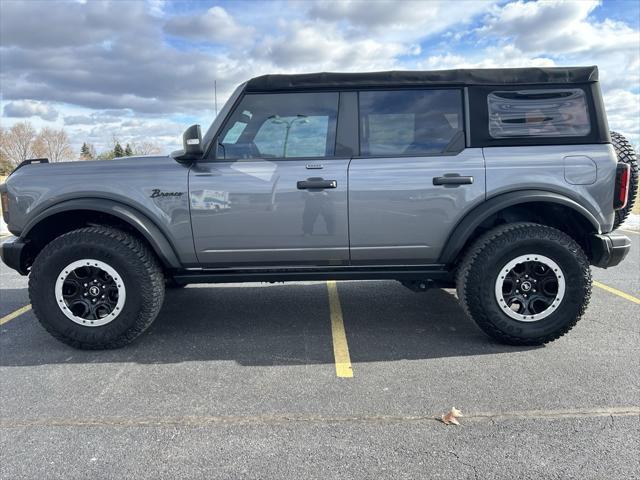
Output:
x,y
503,183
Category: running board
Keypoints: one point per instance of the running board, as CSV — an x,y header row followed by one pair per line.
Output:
x,y
435,273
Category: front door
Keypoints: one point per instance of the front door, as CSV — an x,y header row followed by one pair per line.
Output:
x,y
414,180
275,194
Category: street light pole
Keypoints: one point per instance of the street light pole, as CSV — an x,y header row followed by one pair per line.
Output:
x,y
288,124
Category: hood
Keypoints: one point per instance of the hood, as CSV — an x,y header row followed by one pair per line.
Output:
x,y
87,166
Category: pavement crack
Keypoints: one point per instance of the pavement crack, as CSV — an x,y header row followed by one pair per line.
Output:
x,y
470,465
282,418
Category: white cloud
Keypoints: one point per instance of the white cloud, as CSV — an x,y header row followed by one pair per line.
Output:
x,y
30,108
408,20
317,46
561,27
492,57
623,110
215,25
156,7
96,118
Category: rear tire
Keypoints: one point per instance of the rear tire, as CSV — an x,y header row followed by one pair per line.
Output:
x,y
96,288
626,154
502,257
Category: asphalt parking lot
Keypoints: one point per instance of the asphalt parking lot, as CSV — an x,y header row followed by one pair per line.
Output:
x,y
303,381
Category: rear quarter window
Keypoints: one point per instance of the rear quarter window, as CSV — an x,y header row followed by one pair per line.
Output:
x,y
538,113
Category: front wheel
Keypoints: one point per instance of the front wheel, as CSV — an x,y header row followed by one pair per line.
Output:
x,y
524,283
96,288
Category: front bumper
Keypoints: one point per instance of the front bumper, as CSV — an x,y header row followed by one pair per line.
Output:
x,y
11,251
608,250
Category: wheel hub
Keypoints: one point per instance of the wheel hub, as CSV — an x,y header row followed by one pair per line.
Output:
x,y
530,287
90,292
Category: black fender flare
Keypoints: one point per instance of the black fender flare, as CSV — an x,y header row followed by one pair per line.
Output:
x,y
465,228
136,219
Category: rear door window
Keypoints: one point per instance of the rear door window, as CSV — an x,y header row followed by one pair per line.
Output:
x,y
538,113
409,122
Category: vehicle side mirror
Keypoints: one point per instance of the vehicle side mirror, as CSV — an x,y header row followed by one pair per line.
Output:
x,y
191,146
192,141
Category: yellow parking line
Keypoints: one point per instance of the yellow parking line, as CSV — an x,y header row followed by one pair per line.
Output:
x,y
12,315
615,291
340,345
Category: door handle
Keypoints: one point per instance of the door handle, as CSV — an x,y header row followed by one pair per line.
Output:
x,y
452,179
317,183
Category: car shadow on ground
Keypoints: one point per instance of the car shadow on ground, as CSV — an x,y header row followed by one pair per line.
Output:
x,y
276,325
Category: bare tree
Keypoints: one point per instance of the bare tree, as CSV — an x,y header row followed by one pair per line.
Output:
x,y
54,144
5,164
145,148
17,143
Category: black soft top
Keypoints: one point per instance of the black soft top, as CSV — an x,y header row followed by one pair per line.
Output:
x,y
477,76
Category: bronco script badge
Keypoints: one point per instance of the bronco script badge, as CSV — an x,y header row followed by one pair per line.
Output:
x,y
156,192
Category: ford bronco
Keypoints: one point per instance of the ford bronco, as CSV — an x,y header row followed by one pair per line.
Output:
x,y
503,183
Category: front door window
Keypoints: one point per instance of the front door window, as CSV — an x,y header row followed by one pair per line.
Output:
x,y
298,125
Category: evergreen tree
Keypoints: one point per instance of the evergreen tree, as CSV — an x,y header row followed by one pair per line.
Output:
x,y
127,151
85,153
117,150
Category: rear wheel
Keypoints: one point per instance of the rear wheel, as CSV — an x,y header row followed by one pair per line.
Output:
x,y
524,283
96,288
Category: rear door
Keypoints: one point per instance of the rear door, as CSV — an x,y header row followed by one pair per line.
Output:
x,y
414,179
276,193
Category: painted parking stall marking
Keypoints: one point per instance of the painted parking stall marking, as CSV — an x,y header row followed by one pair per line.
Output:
x,y
617,292
17,313
340,345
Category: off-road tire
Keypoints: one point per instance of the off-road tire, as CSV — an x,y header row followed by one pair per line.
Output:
x,y
136,264
479,270
626,154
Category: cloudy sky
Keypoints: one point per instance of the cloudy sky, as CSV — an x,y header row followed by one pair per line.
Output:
x,y
145,70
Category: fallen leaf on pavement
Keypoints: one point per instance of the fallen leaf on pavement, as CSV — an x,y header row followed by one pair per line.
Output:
x,y
452,417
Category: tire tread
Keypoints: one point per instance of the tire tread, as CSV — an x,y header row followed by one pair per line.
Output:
x,y
489,245
145,260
